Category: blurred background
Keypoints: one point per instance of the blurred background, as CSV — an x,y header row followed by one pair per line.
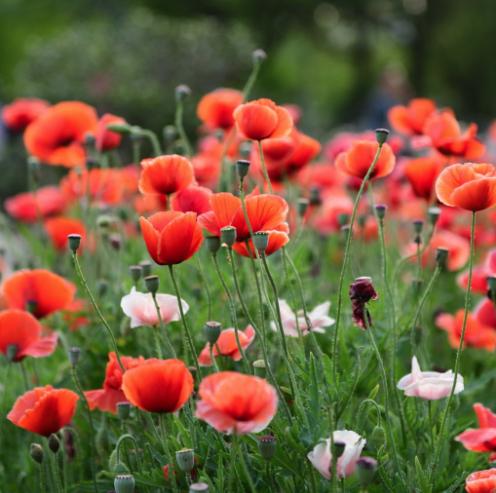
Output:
x,y
345,62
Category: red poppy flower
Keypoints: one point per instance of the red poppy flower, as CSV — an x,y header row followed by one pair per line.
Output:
x,y
103,186
357,160
192,199
422,174
481,482
171,237
236,403
107,140
335,203
277,239
21,112
107,398
320,176
470,186
215,109
44,410
164,175
266,212
59,228
30,206
262,119
208,162
227,345
20,329
448,139
42,291
57,136
482,439
410,119
158,386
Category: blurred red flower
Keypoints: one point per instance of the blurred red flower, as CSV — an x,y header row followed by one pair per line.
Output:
x,y
481,482
410,119
107,140
30,206
215,109
422,174
23,111
58,228
192,199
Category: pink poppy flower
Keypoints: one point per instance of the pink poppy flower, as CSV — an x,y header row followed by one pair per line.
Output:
x,y
482,439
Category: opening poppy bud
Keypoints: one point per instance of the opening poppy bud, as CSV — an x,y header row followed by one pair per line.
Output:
x,y
259,366
213,244
36,452
381,209
170,134
441,257
152,283
261,241
198,488
123,410
182,92
212,330
11,352
258,56
124,483
135,272
302,206
53,443
185,459
381,134
242,167
433,213
245,149
315,198
74,354
120,128
146,267
102,287
339,448
366,468
228,235
267,446
343,219
74,242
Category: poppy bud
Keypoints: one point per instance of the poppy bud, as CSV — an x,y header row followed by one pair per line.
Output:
x,y
361,220
185,459
152,283
366,468
259,366
212,329
242,167
228,235
343,219
418,225
123,410
315,198
213,244
74,353
135,272
198,488
441,257
74,242
53,443
261,241
433,213
124,483
120,128
89,141
381,134
170,134
36,452
182,92
302,206
245,149
146,267
11,352
258,56
381,209
101,287
267,446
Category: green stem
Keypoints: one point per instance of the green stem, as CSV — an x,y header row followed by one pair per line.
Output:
x,y
238,450
180,128
251,80
205,285
157,150
264,167
162,329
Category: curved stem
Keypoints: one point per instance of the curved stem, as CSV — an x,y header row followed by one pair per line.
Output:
x,y
157,150
264,167
180,128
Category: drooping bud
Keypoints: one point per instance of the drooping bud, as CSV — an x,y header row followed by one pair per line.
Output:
x,y
212,329
228,235
242,167
53,443
213,244
146,267
74,354
123,410
124,483
120,128
185,459
261,241
152,284
361,292
182,92
74,242
135,272
267,446
36,452
442,257
381,134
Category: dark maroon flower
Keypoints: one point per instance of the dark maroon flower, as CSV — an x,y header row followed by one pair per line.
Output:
x,y
361,292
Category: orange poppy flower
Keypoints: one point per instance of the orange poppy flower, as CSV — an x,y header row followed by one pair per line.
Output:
x,y
44,410
21,112
357,160
277,239
58,228
57,136
470,186
448,139
227,345
481,481
215,109
171,237
107,398
192,199
158,386
422,174
266,212
410,119
107,140
262,119
164,175
20,329
28,207
42,291
236,403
